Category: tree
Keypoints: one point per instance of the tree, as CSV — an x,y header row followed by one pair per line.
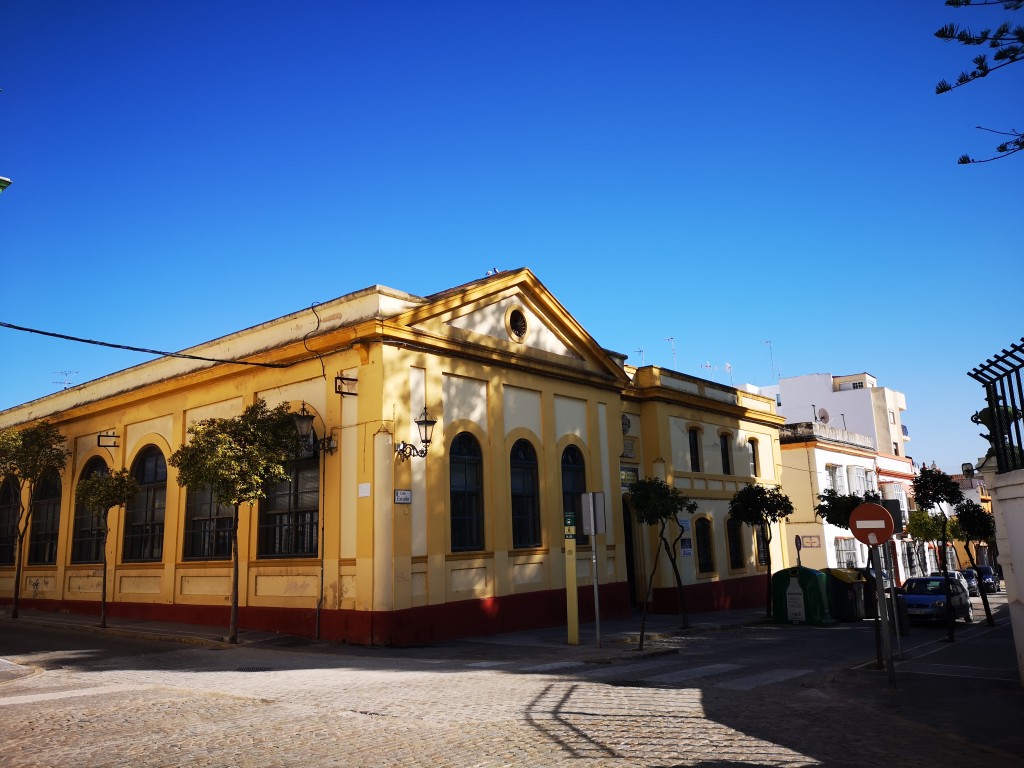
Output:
x,y
237,458
1007,42
26,456
976,525
932,489
760,506
99,493
835,508
655,502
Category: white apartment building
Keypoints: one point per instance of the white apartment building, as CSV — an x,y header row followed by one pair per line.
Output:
x,y
846,433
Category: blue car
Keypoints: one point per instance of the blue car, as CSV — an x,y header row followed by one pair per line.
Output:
x,y
926,599
988,577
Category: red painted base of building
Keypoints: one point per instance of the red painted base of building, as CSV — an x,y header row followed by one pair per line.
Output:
x,y
430,623
408,627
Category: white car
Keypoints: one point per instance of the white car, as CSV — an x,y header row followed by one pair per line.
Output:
x,y
955,576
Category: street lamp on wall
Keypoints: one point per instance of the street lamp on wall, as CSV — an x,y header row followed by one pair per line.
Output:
x,y
304,426
425,424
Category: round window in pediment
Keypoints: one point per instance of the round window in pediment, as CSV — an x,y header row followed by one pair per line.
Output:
x,y
517,325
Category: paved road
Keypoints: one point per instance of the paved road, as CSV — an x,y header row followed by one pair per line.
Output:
x,y
764,696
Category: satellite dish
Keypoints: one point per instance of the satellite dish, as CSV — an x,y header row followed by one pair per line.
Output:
x,y
823,416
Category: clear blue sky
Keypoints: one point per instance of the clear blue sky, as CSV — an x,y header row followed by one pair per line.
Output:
x,y
719,173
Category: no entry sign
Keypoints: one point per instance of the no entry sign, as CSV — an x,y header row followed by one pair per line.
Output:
x,y
871,524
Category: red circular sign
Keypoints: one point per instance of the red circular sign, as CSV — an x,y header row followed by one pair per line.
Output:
x,y
871,524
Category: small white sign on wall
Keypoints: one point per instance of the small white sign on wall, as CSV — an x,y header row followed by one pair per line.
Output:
x,y
364,490
403,496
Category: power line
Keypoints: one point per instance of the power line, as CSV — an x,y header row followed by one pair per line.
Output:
x,y
139,349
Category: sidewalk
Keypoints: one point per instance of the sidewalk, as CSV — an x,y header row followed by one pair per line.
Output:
x,y
617,637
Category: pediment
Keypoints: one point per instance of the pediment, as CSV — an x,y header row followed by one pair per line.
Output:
x,y
511,312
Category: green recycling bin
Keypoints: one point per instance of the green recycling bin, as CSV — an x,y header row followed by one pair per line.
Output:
x,y
800,596
845,593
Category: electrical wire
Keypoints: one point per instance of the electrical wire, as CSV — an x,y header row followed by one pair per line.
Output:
x,y
140,349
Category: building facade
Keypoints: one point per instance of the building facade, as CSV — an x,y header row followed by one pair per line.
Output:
x,y
373,545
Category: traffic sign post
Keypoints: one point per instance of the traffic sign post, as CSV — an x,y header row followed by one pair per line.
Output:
x,y
872,524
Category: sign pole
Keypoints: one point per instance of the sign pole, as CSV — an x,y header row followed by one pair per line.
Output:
x,y
871,524
883,613
572,612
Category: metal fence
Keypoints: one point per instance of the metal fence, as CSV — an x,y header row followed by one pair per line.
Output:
x,y
1004,392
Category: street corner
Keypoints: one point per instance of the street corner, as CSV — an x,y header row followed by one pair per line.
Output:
x,y
10,671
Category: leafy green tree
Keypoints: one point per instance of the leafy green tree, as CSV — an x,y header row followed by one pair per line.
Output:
x,y
237,458
762,507
25,457
835,508
976,525
99,493
656,503
932,489
1007,45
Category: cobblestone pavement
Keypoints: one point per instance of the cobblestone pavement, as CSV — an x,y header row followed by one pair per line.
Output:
x,y
262,707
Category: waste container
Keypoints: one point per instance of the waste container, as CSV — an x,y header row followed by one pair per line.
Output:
x,y
845,593
799,596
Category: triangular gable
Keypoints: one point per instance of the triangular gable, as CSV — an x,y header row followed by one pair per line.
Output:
x,y
512,312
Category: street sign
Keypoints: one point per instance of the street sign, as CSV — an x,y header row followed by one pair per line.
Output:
x,y
871,524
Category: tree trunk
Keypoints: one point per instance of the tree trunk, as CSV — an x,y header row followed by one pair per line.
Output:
x,y
950,618
768,563
684,617
103,579
647,597
233,624
990,620
19,557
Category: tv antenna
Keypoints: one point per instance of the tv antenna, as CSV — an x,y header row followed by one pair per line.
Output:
x,y
771,353
640,352
672,340
67,378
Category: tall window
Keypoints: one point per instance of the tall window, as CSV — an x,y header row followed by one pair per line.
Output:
x,y
846,553
704,541
42,545
734,537
725,439
89,528
289,517
574,485
694,434
207,526
755,470
836,478
761,540
466,479
10,508
144,517
525,496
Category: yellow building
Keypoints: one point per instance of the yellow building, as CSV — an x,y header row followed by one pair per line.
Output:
x,y
372,542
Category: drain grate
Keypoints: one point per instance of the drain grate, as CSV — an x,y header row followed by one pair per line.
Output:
x,y
253,669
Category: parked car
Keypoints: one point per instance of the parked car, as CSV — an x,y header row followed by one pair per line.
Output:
x,y
972,581
988,577
926,599
956,576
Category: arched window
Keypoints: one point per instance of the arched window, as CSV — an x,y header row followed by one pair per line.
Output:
x,y
207,526
88,531
755,469
466,478
725,440
574,484
144,517
10,511
525,496
735,538
704,541
289,515
42,545
693,433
